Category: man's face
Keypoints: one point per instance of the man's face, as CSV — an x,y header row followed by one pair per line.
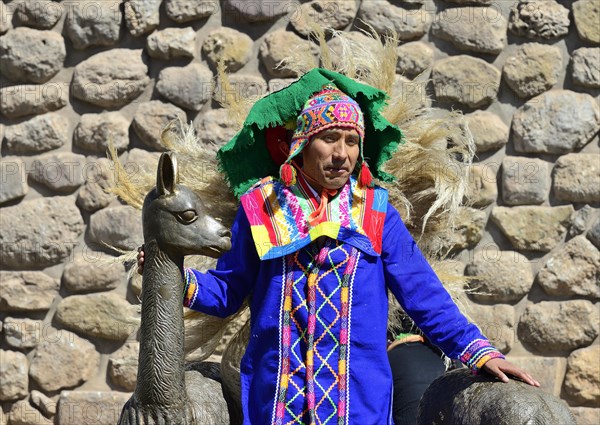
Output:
x,y
330,156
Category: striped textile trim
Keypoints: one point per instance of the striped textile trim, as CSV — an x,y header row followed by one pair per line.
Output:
x,y
477,353
190,290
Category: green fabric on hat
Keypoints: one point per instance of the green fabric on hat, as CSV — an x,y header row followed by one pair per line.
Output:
x,y
245,159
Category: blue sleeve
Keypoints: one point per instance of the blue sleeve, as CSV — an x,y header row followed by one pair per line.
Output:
x,y
423,297
222,291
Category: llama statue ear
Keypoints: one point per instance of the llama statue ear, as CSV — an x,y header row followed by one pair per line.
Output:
x,y
167,174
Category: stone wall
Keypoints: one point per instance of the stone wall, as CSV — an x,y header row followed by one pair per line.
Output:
x,y
76,74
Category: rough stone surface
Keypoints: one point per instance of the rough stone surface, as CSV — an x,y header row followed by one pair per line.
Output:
x,y
279,45
594,234
497,323
29,55
488,130
533,228
258,10
539,19
244,88
559,326
411,92
482,189
95,132
90,407
533,69
59,171
39,134
548,371
586,67
577,177
233,47
215,129
110,79
466,80
188,87
119,227
582,380
525,180
27,291
557,122
23,413
414,58
140,162
22,334
480,2
354,39
477,29
14,179
384,16
13,375
39,233
44,404
102,315
499,276
93,23
330,14
99,178
42,14
586,415
587,15
582,219
468,232
190,10
123,365
572,271
141,16
63,361
151,117
172,43
28,99
87,273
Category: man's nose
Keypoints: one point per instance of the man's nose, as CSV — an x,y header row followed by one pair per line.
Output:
x,y
340,150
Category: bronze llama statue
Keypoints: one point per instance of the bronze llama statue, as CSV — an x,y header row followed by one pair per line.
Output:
x,y
175,224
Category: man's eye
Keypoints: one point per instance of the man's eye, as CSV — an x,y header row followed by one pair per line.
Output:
x,y
352,142
187,217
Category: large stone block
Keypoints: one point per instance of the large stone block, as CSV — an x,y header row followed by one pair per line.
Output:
x,y
477,29
545,19
330,14
587,14
572,271
14,179
577,177
488,130
42,14
482,189
533,69
27,291
383,16
151,118
232,47
110,79
466,80
257,10
550,326
39,233
586,67
103,315
414,58
123,366
93,23
558,122
586,415
582,380
90,407
468,230
279,45
31,56
63,360
118,227
141,16
22,333
99,179
499,276
533,228
497,323
39,134
13,375
95,132
548,371
61,172
88,272
172,43
189,87
28,99
23,413
525,180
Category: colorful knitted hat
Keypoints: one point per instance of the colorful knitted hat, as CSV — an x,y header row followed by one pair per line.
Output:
x,y
254,152
328,108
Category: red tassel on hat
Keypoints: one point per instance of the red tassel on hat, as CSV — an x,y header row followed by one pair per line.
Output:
x,y
287,174
365,178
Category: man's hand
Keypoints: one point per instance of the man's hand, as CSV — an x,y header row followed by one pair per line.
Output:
x,y
140,260
500,367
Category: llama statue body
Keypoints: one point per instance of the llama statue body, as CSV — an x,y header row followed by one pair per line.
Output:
x,y
175,224
461,398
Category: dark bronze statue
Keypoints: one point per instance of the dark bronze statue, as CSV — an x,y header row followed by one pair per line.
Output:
x,y
175,224
461,398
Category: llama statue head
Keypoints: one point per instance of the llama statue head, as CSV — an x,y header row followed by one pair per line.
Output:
x,y
175,217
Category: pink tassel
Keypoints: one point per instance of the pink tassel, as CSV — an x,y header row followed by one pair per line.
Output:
x,y
287,174
365,178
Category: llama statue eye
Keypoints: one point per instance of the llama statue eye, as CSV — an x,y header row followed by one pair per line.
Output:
x,y
187,217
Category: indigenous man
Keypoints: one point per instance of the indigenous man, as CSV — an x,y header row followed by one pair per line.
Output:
x,y
315,252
